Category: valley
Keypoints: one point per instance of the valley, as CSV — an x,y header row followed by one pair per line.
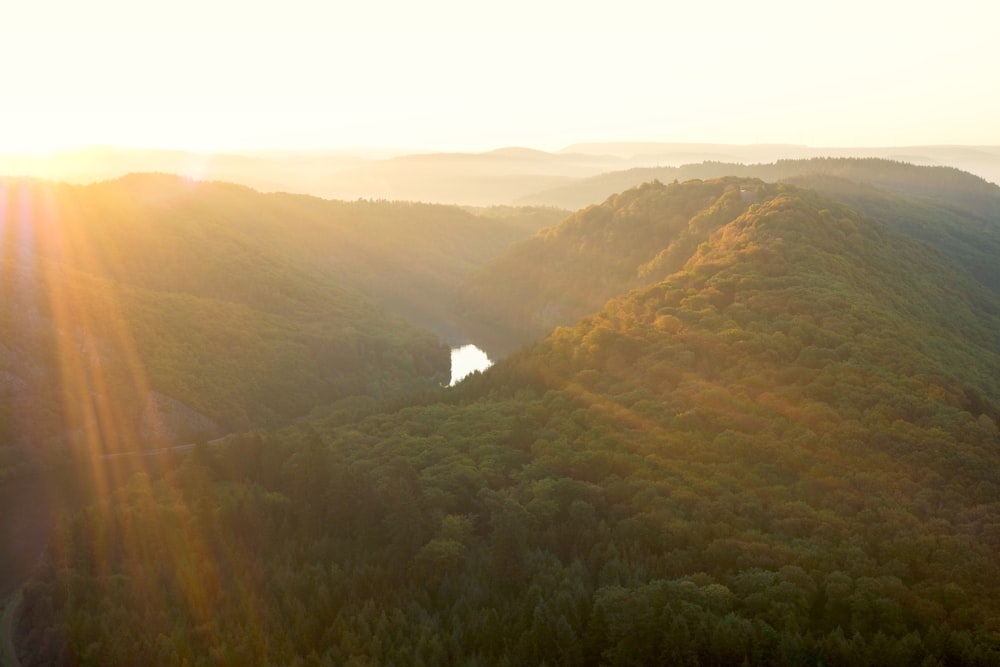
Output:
x,y
747,416
533,334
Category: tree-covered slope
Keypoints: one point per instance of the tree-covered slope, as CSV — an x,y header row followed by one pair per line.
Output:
x,y
643,234
634,238
965,233
786,452
155,309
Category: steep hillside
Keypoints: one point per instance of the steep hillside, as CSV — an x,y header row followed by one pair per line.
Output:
x,y
635,238
154,309
786,452
639,236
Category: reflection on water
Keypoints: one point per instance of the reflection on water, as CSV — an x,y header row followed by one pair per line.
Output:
x,y
467,359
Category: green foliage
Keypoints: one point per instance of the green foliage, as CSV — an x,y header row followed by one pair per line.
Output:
x,y
783,453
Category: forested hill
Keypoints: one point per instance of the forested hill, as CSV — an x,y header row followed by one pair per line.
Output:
x,y
643,234
804,394
785,453
153,309
634,238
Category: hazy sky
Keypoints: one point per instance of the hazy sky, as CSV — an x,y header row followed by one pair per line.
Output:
x,y
466,75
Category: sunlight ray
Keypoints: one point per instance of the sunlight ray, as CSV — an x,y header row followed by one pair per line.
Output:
x,y
101,394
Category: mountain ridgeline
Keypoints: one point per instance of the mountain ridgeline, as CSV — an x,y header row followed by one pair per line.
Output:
x,y
764,433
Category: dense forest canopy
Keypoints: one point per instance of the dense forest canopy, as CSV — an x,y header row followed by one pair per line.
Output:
x,y
772,439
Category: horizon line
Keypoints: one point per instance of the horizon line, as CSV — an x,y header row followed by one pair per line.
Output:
x,y
398,151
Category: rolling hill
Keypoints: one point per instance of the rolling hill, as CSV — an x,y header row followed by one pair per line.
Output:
x,y
782,451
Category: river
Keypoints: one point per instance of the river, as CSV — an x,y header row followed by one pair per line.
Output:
x,y
466,360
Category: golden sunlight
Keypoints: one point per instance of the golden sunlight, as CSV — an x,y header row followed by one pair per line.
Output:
x,y
739,284
50,279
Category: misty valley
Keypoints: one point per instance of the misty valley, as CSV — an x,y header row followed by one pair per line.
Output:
x,y
709,414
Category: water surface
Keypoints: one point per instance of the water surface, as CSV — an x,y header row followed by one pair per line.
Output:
x,y
465,360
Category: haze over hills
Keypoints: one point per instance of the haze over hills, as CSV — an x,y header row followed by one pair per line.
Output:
x,y
735,266
495,177
595,189
984,161
300,171
501,176
780,447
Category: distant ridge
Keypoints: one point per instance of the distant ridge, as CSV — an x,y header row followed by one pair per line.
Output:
x,y
892,173
519,152
505,175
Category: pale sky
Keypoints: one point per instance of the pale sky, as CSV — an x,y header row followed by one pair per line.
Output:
x,y
466,75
